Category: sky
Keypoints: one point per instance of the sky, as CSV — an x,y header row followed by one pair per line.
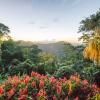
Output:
x,y
41,20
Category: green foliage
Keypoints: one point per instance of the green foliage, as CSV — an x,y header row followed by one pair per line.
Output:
x,y
50,69
4,30
48,62
90,73
90,27
15,62
34,54
90,23
80,64
47,59
72,54
10,51
64,71
25,67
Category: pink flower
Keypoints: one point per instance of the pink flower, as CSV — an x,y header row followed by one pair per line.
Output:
x,y
1,90
75,78
33,74
59,89
26,79
54,97
66,98
52,80
22,97
94,86
41,85
23,91
85,82
33,84
41,93
76,98
11,92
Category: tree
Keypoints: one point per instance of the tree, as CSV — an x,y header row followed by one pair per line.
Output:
x,y
71,54
92,50
48,62
47,58
10,51
4,30
89,25
34,53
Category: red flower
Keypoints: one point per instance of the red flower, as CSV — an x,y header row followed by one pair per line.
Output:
x,y
23,91
34,74
15,81
75,78
85,82
1,90
59,89
10,93
22,97
66,98
52,80
54,97
41,84
33,84
63,80
26,79
41,93
95,88
76,98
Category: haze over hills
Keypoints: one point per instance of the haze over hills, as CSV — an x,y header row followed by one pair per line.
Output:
x,y
52,47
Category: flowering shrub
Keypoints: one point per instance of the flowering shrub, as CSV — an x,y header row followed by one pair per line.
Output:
x,y
40,87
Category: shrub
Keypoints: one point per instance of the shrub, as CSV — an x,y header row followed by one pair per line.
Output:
x,y
25,67
90,73
50,69
64,71
40,87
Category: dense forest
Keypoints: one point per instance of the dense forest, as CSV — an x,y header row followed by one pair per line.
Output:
x,y
54,71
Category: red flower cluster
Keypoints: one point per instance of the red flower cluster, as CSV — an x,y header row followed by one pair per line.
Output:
x,y
43,87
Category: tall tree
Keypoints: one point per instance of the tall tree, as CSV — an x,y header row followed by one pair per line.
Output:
x,y
70,54
92,50
4,30
90,27
34,54
11,51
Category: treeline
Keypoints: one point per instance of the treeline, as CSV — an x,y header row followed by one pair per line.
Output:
x,y
17,59
32,58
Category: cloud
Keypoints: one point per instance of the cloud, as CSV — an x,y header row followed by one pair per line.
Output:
x,y
70,2
76,2
55,20
31,22
43,27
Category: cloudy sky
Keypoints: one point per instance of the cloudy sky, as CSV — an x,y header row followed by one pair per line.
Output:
x,y
37,20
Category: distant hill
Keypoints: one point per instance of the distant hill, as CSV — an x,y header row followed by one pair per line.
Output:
x,y
53,48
